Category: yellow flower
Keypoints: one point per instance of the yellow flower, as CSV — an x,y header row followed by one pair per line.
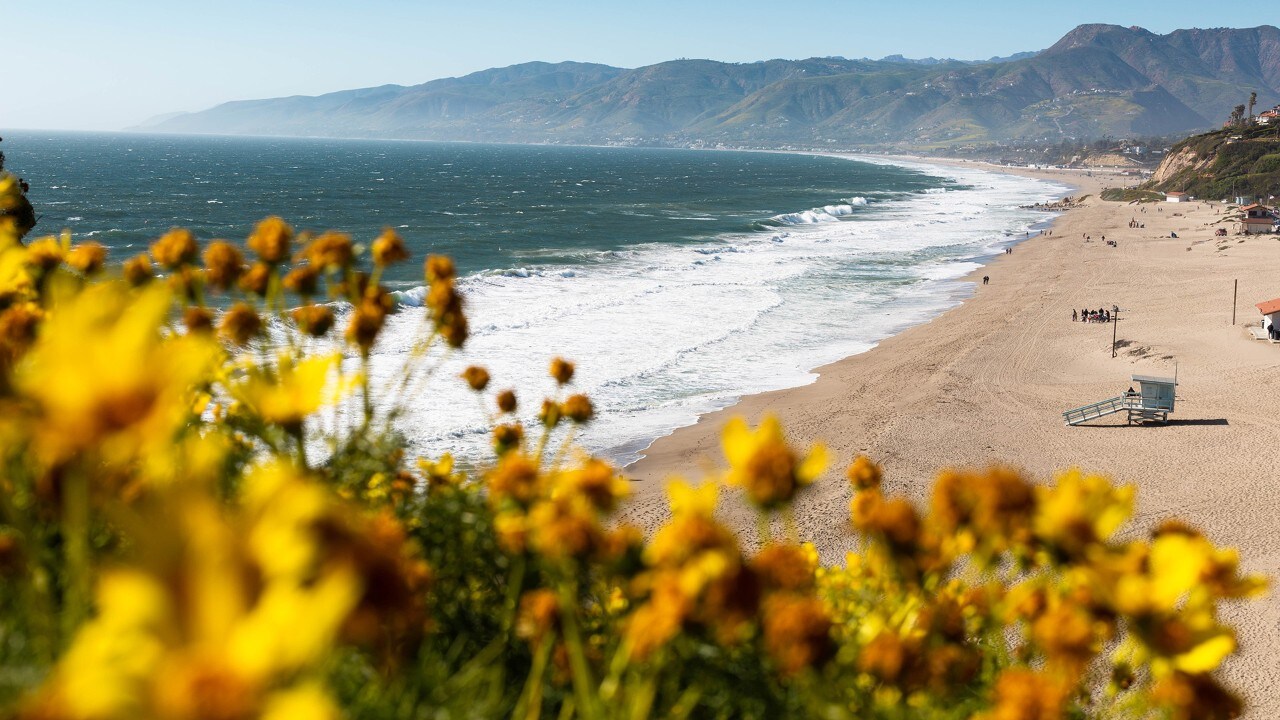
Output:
x,y
785,567
314,320
175,248
797,632
46,253
1023,694
539,615
240,324
578,408
388,248
596,480
515,478
561,370
477,377
330,251
688,500
1079,511
271,239
506,401
87,258
137,270
764,466
563,527
113,654
296,389
102,372
308,701
223,264
16,282
865,474
440,473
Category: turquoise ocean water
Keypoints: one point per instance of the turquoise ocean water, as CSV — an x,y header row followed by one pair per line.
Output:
x,y
678,280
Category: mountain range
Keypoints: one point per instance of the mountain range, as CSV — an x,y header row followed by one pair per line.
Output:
x,y
1098,80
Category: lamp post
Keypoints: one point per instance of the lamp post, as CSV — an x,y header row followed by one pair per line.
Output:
x,y
1115,320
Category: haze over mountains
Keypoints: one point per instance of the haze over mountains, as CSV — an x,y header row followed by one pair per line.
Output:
x,y
1097,80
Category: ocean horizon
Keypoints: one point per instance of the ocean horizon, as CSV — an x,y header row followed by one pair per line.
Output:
x,y
677,280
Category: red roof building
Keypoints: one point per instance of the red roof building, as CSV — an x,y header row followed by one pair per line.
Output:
x,y
1269,307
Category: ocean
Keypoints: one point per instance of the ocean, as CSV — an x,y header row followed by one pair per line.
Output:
x,y
676,280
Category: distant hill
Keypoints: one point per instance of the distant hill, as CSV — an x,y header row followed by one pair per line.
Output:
x,y
1098,80
1223,164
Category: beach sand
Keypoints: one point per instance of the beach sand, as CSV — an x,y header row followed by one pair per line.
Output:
x,y
987,382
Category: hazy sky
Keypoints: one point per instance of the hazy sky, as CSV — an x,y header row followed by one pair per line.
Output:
x,y
107,64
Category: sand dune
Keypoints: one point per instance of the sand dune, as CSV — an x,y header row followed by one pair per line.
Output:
x,y
987,382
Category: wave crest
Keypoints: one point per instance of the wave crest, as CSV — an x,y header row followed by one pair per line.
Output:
x,y
826,213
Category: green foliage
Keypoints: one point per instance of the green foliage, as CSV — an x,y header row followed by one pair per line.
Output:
x,y
1268,163
1130,195
1226,163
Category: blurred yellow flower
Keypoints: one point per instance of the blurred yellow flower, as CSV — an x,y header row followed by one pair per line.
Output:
x,y
286,394
1079,510
762,463
307,701
102,372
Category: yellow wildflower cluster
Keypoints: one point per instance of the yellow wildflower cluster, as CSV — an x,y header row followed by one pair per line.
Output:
x,y
1001,567
207,511
237,618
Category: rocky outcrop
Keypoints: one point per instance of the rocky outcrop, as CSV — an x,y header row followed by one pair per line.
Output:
x,y
1182,160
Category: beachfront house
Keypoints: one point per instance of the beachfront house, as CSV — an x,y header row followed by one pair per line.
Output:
x,y
1258,218
1176,196
1270,316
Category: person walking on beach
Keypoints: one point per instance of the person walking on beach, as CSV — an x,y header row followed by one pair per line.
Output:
x,y
986,279
1073,314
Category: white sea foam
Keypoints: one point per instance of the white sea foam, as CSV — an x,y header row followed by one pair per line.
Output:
x,y
826,213
662,333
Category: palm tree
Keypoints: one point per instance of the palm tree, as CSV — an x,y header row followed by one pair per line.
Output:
x,y
1253,100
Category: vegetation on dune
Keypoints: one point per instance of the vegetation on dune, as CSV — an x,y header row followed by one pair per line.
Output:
x,y
209,514
1131,195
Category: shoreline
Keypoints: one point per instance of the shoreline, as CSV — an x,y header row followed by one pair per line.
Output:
x,y
986,382
636,452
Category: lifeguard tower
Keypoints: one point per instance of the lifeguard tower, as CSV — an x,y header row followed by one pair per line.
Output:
x,y
1151,403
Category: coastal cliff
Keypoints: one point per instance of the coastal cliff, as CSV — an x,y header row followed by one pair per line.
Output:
x,y
1223,164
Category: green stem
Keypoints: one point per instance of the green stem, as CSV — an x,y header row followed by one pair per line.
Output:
x,y
300,440
582,683
75,525
366,398
789,521
762,527
514,585
530,705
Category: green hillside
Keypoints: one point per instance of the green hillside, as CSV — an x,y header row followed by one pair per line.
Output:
x,y
1223,164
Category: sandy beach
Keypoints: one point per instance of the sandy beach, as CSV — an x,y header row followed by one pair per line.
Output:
x,y
987,382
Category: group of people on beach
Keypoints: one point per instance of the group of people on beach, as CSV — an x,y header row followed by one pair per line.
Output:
x,y
1135,225
1101,315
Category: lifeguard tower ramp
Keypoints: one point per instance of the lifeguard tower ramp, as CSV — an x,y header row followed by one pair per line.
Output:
x,y
1152,403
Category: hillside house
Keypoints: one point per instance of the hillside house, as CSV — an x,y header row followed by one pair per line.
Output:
x,y
1270,116
1258,219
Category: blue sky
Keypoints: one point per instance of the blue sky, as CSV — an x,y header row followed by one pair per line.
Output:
x,y
103,64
